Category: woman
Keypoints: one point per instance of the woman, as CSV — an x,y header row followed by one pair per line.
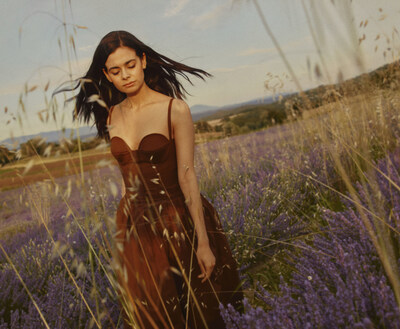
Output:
x,y
174,262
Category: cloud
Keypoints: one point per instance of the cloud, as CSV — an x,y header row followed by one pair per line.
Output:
x,y
302,45
14,89
210,17
55,74
86,48
254,51
231,69
82,64
175,7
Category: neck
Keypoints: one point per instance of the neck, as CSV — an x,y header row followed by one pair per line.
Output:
x,y
140,97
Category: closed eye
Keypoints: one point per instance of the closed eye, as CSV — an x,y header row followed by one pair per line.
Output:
x,y
115,69
117,72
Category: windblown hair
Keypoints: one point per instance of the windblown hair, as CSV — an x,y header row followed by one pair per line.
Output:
x,y
161,74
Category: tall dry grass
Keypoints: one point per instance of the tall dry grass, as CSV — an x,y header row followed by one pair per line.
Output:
x,y
354,131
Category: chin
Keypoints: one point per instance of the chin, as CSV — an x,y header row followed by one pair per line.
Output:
x,y
132,90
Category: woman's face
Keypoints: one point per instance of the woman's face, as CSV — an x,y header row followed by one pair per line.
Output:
x,y
124,69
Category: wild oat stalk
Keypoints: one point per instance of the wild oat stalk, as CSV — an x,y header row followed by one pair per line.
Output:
x,y
352,135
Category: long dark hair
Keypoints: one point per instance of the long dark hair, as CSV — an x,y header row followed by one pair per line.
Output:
x,y
161,75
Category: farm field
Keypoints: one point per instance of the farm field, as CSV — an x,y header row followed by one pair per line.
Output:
x,y
311,209
41,168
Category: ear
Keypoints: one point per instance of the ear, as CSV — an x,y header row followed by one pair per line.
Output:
x,y
144,61
107,75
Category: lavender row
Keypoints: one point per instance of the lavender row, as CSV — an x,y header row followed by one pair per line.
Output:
x,y
338,279
270,196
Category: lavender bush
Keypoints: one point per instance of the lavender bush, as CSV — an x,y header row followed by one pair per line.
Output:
x,y
306,259
37,260
338,280
52,288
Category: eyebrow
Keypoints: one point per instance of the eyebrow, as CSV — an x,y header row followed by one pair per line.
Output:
x,y
117,67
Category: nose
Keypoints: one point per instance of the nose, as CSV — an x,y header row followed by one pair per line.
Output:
x,y
125,73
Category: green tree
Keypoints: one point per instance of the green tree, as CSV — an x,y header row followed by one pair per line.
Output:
x,y
36,145
203,126
6,156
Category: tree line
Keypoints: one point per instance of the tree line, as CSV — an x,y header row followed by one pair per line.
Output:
x,y
39,146
249,118
246,119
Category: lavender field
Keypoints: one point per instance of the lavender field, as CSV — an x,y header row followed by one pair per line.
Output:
x,y
311,209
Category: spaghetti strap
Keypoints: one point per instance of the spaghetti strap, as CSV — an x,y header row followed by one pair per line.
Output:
x,y
109,115
169,118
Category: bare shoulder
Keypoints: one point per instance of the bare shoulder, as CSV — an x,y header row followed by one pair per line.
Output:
x,y
180,110
182,122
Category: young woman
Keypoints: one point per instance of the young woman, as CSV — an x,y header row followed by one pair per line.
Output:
x,y
174,263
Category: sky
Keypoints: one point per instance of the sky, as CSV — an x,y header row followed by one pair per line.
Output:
x,y
227,38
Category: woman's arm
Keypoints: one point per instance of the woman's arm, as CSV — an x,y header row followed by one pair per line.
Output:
x,y
122,188
184,140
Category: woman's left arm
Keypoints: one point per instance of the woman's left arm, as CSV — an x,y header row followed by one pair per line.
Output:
x,y
184,140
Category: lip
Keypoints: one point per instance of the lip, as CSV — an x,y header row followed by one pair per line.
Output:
x,y
130,84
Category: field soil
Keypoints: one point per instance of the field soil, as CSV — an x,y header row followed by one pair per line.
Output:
x,y
41,168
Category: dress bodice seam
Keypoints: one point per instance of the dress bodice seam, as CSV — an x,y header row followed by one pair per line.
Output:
x,y
139,148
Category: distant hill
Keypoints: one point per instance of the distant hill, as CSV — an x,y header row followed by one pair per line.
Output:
x,y
199,111
209,112
261,112
199,108
384,77
50,136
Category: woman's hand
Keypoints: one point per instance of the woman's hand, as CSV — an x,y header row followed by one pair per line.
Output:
x,y
206,260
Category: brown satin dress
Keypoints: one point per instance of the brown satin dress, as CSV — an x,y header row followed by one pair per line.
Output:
x,y
157,269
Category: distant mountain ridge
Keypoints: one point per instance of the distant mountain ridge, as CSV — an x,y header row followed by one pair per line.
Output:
x,y
209,110
50,136
200,108
198,111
